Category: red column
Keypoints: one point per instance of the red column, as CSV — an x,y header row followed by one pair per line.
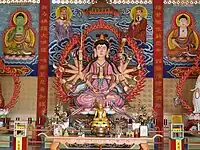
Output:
x,y
173,144
20,143
2,101
43,54
158,62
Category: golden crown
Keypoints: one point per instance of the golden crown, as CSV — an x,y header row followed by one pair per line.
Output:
x,y
102,37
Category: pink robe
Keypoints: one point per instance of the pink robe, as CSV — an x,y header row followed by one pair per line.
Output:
x,y
87,99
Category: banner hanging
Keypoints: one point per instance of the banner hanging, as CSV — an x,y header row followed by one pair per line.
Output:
x,y
158,62
43,54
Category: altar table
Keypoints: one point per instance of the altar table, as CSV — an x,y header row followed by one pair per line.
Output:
x,y
57,140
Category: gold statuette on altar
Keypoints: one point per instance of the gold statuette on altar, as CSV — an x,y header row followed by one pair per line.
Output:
x,y
100,124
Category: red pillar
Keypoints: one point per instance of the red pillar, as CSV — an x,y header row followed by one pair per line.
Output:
x,y
176,144
43,54
158,62
20,143
2,101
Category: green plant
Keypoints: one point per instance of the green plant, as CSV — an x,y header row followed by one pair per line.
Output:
x,y
142,116
59,116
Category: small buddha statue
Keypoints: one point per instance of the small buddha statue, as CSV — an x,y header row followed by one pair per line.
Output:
x,y
100,114
100,124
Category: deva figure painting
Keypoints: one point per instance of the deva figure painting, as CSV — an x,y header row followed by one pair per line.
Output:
x,y
137,27
63,27
100,80
182,39
19,39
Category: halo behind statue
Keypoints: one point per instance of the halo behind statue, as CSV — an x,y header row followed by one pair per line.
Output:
x,y
25,17
176,22
133,11
68,9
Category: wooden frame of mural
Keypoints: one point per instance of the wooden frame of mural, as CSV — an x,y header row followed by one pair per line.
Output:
x,y
76,40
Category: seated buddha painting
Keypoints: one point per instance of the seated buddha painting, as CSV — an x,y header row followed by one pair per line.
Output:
x,y
182,39
19,37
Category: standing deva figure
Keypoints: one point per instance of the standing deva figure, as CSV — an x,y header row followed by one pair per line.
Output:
x,y
63,27
196,96
137,28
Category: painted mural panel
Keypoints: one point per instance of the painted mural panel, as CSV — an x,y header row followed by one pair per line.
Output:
x,y
132,20
19,31
19,37
181,45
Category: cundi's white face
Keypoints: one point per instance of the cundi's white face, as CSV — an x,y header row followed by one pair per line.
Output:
x,y
101,50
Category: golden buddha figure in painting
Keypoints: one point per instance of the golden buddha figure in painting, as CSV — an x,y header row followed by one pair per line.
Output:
x,y
182,40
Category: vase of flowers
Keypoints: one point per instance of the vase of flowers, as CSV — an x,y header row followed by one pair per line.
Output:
x,y
60,121
57,131
143,118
